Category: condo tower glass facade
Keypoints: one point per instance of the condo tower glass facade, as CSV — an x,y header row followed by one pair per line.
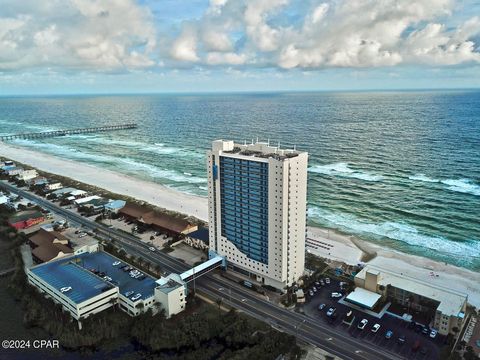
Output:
x,y
244,205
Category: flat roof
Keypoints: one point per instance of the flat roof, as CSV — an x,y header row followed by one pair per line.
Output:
x,y
200,234
66,272
364,298
169,283
451,302
102,261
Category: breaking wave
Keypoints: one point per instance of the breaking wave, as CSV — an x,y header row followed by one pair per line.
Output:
x,y
343,170
466,186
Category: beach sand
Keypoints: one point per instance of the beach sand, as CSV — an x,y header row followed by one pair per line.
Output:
x,y
339,246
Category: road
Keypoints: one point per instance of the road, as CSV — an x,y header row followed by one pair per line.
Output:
x,y
304,328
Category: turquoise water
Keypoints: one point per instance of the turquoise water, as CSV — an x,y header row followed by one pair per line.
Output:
x,y
401,169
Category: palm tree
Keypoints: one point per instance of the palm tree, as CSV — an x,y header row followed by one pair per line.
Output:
x,y
219,302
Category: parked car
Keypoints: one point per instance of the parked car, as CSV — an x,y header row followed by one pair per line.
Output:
x,y
402,339
375,328
327,281
116,263
141,277
418,328
65,289
310,292
151,248
336,295
412,325
331,311
388,334
322,282
107,278
314,289
433,333
426,330
361,325
321,307
317,283
136,297
129,293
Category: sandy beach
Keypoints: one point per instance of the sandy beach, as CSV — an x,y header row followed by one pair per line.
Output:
x,y
335,245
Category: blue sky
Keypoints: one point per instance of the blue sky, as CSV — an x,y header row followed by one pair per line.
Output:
x,y
123,46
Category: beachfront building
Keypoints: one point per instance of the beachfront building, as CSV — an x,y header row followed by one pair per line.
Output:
x,y
53,186
257,209
26,219
158,221
446,307
115,205
27,175
14,171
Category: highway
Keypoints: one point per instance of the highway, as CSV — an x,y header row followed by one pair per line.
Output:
x,y
336,342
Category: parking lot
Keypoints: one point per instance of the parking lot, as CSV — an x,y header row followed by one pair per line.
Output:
x,y
428,348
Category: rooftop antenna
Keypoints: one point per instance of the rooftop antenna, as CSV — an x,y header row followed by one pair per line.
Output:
x,y
294,147
268,142
279,145
252,141
257,139
245,142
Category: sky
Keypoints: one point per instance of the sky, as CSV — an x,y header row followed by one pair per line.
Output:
x,y
149,46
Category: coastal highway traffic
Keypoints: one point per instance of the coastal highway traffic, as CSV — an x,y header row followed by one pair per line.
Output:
x,y
304,328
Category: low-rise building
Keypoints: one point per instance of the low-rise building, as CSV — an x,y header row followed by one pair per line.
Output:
x,y
26,219
37,181
446,305
171,295
79,291
53,186
13,171
115,205
27,175
49,245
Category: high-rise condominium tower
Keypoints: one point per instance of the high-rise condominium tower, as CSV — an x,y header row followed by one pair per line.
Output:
x,y
257,209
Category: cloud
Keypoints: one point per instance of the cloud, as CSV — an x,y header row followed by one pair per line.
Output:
x,y
119,35
184,48
78,34
355,34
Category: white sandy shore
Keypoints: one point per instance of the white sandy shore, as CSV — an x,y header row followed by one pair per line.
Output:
x,y
339,247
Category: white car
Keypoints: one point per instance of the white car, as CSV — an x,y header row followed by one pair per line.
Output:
x,y
331,311
116,263
66,289
82,235
433,333
361,325
310,292
136,297
129,293
327,281
151,248
108,278
336,295
375,328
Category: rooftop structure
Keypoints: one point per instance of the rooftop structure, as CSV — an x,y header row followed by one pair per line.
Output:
x,y
25,219
364,298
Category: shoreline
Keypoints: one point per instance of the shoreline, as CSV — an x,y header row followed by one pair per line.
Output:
x,y
335,245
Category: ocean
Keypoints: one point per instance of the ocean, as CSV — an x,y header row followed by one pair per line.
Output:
x,y
400,169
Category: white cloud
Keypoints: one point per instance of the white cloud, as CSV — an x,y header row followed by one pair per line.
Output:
x,y
185,46
80,34
229,58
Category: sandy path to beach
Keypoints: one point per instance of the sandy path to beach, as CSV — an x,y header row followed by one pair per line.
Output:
x,y
348,248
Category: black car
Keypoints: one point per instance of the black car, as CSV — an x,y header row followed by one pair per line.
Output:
x,y
418,328
426,330
424,351
401,339
411,325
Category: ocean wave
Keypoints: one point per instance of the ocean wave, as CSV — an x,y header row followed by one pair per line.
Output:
x,y
343,170
156,148
128,165
466,186
396,231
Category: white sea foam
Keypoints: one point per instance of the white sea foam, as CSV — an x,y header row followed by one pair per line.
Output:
x,y
396,231
424,178
343,170
466,186
126,164
187,173
463,185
